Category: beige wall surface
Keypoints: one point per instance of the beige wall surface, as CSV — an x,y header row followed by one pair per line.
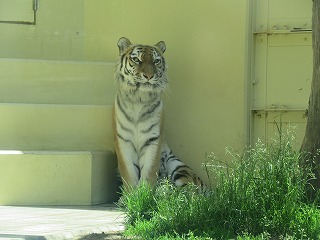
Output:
x,y
206,54
57,35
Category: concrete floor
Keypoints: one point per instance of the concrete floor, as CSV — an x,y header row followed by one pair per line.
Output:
x,y
28,223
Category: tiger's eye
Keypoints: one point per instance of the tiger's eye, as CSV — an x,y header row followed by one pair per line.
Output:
x,y
157,61
135,59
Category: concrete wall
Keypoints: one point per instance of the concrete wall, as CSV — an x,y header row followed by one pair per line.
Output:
x,y
206,53
57,35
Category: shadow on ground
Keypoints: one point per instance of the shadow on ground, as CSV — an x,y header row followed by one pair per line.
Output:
x,y
104,236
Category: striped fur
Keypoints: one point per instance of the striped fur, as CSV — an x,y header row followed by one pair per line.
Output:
x,y
142,154
176,171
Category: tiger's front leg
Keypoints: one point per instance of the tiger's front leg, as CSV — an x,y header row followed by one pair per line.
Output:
x,y
127,163
149,161
127,155
150,142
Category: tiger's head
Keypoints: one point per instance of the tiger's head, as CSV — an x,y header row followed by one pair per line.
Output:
x,y
141,67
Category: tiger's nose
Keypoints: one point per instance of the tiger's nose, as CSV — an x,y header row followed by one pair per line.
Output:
x,y
148,76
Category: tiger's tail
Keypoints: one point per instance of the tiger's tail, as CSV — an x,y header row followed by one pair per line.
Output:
x,y
177,171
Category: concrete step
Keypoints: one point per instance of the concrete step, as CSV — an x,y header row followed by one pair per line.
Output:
x,y
56,82
56,144
57,177
55,127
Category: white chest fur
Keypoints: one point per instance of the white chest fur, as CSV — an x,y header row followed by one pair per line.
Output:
x,y
138,133
138,121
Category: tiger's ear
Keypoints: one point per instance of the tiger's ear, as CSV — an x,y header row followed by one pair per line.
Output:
x,y
162,46
123,44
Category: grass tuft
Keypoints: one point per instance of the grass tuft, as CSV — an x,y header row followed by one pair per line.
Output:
x,y
258,194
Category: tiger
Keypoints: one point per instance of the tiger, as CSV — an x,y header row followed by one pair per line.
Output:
x,y
142,153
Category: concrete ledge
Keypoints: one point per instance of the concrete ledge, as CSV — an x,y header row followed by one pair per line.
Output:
x,y
56,127
57,178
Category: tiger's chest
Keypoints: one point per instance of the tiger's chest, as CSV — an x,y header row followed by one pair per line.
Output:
x,y
138,121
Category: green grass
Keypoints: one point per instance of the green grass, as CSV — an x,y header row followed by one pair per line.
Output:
x,y
258,194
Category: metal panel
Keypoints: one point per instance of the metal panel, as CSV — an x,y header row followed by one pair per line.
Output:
x,y
292,124
282,69
288,14
268,125
289,71
289,9
259,82
282,15
261,14
17,11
